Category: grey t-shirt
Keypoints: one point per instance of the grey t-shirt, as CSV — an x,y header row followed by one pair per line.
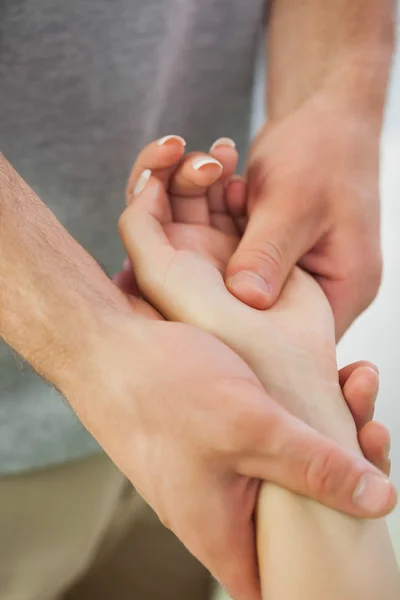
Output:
x,y
83,86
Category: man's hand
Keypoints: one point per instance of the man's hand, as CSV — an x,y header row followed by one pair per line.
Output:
x,y
313,200
313,170
180,413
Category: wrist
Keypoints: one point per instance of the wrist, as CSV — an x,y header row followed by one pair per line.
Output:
x,y
342,47
87,359
358,84
57,321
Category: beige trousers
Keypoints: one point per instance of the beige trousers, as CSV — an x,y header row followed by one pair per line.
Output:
x,y
81,532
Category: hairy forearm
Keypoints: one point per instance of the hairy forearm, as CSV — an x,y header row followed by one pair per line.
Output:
x,y
344,47
53,295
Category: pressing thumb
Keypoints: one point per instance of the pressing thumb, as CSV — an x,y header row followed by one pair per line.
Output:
x,y
275,239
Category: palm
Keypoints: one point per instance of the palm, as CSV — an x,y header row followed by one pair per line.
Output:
x,y
204,234
208,234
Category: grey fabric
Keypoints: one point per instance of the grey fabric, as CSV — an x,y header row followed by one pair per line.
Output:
x,y
83,85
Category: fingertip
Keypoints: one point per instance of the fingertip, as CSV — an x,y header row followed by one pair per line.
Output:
x,y
252,289
167,151
171,141
375,495
375,443
228,156
223,142
205,170
360,391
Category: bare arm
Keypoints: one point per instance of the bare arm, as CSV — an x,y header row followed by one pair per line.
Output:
x,y
313,169
339,45
53,295
308,551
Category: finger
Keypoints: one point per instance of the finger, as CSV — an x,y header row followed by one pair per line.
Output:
x,y
160,157
224,151
195,174
141,227
161,269
189,188
235,199
289,453
360,391
279,232
348,370
126,281
374,440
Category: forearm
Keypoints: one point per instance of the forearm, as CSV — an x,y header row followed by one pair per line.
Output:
x,y
308,551
53,295
344,47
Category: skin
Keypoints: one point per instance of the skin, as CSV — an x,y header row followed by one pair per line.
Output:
x,y
63,315
115,361
170,239
313,169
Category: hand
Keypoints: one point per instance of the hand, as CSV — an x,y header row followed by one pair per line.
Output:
x,y
359,383
231,490
313,200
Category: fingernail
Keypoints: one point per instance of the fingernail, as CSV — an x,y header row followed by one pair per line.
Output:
x,y
223,141
372,493
141,182
199,163
167,138
244,280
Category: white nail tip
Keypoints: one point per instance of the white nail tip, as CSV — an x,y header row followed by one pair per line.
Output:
x,y
224,141
166,139
141,183
202,162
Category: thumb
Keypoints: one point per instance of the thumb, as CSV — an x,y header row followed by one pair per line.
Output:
x,y
277,235
297,457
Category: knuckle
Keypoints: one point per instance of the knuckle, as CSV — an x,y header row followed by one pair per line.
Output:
x,y
266,257
322,476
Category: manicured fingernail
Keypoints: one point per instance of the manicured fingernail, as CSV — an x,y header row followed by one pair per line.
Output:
x,y
373,493
245,280
141,182
199,163
223,141
168,138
